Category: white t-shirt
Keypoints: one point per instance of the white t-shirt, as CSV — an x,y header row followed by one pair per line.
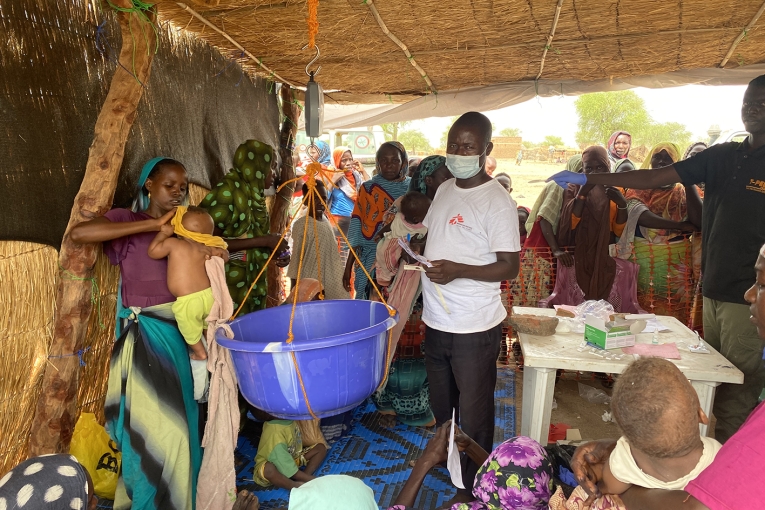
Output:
x,y
624,468
468,226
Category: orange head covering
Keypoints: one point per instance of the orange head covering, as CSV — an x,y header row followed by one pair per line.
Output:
x,y
337,155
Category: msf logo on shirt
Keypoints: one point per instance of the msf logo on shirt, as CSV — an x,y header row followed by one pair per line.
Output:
x,y
459,221
756,185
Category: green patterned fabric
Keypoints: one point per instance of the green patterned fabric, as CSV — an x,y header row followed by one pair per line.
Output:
x,y
238,207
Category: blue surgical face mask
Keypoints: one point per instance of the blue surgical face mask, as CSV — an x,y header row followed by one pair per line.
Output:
x,y
464,167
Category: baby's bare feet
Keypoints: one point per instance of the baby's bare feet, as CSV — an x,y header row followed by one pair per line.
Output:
x,y
246,501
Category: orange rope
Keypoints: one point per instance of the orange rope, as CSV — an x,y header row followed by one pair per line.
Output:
x,y
312,170
313,22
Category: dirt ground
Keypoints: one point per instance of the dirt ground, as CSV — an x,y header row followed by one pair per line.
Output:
x,y
528,179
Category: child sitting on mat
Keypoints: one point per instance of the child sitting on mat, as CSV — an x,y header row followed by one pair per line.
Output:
x,y
658,412
188,281
281,455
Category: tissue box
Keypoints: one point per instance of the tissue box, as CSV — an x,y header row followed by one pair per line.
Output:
x,y
608,335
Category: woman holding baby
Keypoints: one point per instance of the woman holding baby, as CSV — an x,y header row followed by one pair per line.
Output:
x,y
150,409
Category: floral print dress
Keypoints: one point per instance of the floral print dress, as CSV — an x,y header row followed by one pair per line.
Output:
x,y
516,475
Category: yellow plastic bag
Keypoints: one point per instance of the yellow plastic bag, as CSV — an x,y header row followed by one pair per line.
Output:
x,y
94,449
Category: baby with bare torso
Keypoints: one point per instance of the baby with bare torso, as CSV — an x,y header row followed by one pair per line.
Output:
x,y
186,274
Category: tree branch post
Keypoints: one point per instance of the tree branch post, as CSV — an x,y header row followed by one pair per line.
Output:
x,y
283,199
55,415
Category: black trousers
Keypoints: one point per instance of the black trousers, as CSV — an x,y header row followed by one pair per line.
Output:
x,y
462,374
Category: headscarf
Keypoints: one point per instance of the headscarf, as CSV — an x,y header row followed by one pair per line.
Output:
x,y
595,269
612,141
549,202
237,205
517,474
351,191
337,155
693,146
333,492
426,168
668,202
404,158
52,482
324,156
206,239
672,149
141,201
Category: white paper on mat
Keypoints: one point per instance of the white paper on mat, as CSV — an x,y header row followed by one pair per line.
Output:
x,y
453,458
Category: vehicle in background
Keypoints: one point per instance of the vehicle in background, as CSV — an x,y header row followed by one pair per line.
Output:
x,y
362,142
731,135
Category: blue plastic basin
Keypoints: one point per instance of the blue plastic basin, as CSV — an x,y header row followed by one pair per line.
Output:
x,y
340,349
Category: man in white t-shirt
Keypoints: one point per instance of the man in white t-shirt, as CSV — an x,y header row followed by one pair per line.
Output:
x,y
473,244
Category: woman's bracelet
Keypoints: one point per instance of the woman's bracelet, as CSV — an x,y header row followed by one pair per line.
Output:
x,y
622,208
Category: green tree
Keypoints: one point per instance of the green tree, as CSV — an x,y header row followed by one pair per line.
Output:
x,y
391,130
555,141
445,134
510,131
602,113
414,141
667,132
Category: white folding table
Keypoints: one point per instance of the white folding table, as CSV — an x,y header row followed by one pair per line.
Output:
x,y
544,355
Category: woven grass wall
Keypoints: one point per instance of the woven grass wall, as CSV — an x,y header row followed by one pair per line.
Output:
x,y
29,272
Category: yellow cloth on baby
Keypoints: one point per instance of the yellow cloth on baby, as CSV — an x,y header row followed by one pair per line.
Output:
x,y
206,239
191,312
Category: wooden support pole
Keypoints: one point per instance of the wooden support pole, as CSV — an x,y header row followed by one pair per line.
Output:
x,y
404,48
283,199
56,409
233,41
550,36
741,36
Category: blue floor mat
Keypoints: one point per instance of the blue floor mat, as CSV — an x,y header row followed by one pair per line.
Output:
x,y
377,455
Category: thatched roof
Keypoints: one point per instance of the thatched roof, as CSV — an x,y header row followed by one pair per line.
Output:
x,y
460,43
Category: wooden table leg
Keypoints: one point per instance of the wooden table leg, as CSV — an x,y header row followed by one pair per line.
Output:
x,y
706,391
538,386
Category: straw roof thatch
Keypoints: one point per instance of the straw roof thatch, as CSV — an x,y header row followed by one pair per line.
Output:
x,y
461,44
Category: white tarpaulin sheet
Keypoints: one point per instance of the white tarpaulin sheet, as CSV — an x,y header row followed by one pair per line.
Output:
x,y
494,97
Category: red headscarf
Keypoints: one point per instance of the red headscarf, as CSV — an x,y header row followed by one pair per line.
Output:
x,y
612,141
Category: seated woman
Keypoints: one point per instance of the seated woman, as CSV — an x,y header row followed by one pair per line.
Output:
x,y
653,238
516,474
590,218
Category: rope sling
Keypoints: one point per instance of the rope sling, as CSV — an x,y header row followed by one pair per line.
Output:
x,y
314,170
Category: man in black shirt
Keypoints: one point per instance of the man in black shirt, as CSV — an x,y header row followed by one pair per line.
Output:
x,y
733,230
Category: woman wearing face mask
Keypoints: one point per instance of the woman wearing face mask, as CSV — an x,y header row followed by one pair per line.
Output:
x,y
374,199
619,145
657,220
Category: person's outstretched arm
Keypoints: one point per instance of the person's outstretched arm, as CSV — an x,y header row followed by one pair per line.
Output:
x,y
637,179
435,452
650,220
100,229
